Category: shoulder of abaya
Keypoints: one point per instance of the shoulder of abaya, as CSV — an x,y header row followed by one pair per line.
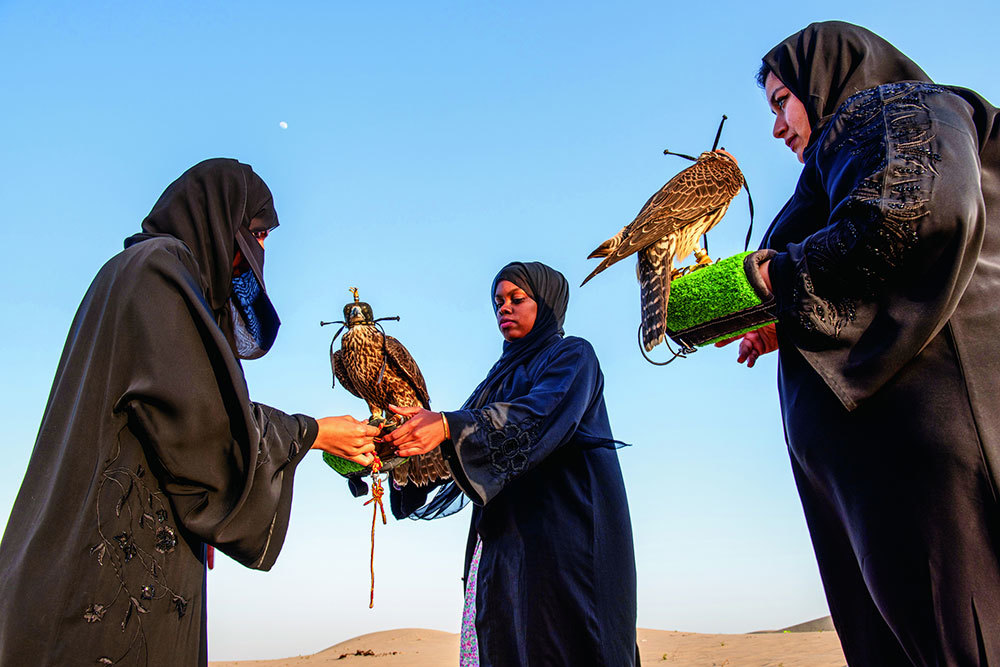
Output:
x,y
167,246
864,106
166,256
567,345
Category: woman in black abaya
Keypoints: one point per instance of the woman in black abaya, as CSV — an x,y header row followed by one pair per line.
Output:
x,y
887,276
550,569
150,447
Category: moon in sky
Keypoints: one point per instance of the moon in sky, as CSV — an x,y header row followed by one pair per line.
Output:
x,y
283,125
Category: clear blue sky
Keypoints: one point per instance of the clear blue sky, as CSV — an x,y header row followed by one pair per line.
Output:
x,y
427,144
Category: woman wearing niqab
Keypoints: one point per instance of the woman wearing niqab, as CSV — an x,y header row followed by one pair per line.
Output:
x,y
550,568
150,447
887,278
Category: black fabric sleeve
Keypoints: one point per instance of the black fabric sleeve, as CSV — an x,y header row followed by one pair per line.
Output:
x,y
902,180
501,441
866,291
225,462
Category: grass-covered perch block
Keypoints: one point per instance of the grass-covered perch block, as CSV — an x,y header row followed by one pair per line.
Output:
x,y
343,466
718,301
353,470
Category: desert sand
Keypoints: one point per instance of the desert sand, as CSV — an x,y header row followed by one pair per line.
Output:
x,y
812,644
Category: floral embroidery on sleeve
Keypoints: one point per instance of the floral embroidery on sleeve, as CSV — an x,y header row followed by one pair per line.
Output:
x,y
509,445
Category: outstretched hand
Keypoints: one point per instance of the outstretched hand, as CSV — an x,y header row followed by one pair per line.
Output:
x,y
753,344
422,432
348,438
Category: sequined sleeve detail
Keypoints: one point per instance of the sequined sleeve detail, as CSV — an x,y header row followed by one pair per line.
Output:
x,y
880,169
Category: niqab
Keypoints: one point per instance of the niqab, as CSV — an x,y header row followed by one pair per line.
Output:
x,y
215,207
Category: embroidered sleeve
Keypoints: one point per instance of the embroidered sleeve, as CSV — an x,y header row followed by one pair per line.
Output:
x,y
883,235
509,446
502,441
878,172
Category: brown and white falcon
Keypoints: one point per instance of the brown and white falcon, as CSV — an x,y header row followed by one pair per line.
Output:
x,y
379,369
668,227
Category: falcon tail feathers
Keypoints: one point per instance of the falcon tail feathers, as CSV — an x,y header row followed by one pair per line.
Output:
x,y
653,271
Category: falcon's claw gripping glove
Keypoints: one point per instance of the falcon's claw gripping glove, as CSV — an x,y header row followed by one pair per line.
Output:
x,y
720,301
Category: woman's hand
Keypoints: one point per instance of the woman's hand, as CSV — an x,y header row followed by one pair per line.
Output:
x,y
347,438
422,432
754,343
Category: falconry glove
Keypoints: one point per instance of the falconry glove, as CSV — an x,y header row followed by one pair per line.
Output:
x,y
720,301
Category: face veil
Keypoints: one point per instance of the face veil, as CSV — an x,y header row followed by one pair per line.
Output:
x,y
215,207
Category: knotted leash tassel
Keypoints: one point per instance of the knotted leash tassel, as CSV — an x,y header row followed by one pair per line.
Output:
x,y
376,502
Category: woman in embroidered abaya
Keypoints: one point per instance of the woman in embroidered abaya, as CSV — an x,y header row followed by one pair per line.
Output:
x,y
550,569
887,274
150,448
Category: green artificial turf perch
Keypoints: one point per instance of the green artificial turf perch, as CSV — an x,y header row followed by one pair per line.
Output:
x,y
343,466
719,301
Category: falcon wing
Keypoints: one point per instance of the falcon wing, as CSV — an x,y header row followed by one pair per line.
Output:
x,y
698,191
340,373
653,270
408,369
422,470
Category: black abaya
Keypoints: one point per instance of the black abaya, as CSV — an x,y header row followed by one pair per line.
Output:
x,y
532,448
887,278
149,449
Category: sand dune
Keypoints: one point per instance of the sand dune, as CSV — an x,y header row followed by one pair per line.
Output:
x,y
412,647
824,624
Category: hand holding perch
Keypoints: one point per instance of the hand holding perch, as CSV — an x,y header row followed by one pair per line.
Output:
x,y
422,432
759,341
348,438
753,344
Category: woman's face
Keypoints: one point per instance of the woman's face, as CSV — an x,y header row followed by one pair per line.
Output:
x,y
791,122
516,311
239,265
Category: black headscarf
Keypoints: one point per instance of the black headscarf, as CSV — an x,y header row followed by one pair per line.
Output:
x,y
826,63
550,290
215,207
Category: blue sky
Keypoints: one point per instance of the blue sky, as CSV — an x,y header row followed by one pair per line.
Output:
x,y
427,144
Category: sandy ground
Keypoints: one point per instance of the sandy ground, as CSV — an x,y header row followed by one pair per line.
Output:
x,y
432,648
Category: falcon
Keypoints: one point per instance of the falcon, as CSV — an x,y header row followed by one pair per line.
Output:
x,y
668,227
380,370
